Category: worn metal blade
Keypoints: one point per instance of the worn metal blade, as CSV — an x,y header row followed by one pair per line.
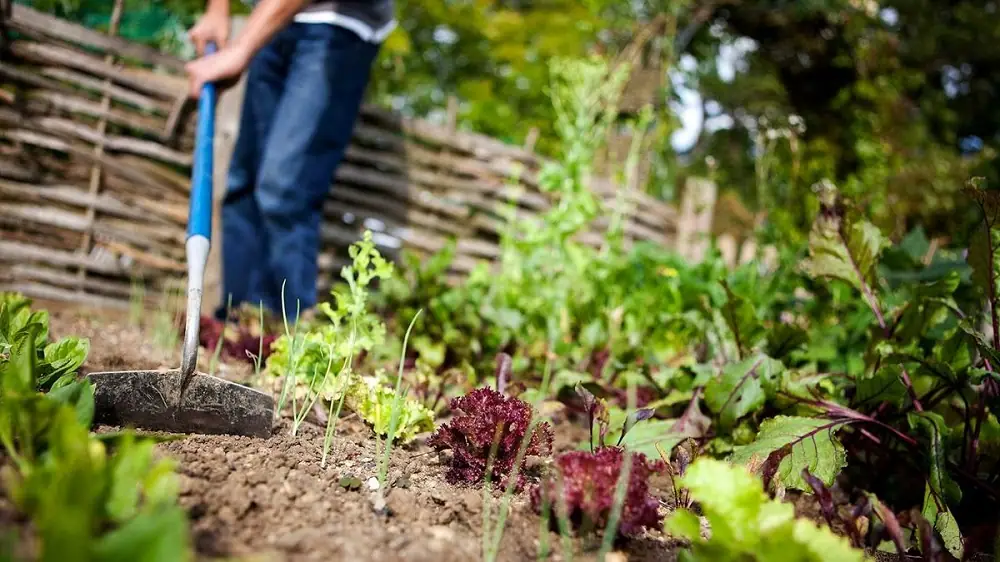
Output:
x,y
149,400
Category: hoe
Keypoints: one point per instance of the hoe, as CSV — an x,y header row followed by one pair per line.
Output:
x,y
184,400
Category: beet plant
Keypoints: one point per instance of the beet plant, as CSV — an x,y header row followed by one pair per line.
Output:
x,y
908,413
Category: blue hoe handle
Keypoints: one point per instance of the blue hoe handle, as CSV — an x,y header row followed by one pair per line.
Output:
x,y
199,234
200,217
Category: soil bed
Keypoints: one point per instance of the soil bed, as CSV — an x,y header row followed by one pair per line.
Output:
x,y
269,499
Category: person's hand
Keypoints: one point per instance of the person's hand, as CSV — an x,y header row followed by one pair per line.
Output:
x,y
212,26
223,66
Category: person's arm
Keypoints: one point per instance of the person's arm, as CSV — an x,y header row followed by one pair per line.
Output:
x,y
268,17
213,25
217,7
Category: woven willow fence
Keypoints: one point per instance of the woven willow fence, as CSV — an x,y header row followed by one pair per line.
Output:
x,y
95,153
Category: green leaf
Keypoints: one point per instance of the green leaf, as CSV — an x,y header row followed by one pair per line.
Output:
x,y
801,443
432,353
745,524
80,396
66,355
741,317
684,524
783,339
885,385
979,341
844,251
743,388
941,518
128,467
17,374
160,535
650,437
915,244
934,428
982,260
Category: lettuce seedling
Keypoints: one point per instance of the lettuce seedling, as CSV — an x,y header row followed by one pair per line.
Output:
x,y
484,417
374,403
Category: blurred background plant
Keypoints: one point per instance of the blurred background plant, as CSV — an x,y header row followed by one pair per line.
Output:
x,y
891,100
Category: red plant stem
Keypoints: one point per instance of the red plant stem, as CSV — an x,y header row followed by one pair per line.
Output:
x,y
869,435
873,304
836,410
981,414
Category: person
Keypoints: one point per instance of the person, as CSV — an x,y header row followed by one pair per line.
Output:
x,y
308,64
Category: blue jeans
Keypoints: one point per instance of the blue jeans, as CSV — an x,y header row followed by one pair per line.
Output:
x,y
303,93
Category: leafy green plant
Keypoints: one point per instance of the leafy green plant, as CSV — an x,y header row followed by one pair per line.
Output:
x,y
56,363
744,524
316,362
923,391
87,497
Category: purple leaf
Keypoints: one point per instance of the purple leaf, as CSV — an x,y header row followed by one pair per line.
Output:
x,y
634,418
823,496
472,431
503,370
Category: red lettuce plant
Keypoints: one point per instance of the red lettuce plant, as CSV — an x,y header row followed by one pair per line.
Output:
x,y
588,481
485,418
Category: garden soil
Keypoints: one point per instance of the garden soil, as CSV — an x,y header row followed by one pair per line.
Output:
x,y
270,499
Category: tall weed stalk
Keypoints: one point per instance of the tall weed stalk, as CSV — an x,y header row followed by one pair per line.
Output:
x,y
397,401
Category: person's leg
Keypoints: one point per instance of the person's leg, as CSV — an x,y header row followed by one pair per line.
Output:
x,y
244,237
312,128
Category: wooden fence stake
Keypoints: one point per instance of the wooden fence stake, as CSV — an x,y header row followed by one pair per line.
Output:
x,y
96,170
694,226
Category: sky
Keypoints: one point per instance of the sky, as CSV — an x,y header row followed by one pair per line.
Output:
x,y
689,111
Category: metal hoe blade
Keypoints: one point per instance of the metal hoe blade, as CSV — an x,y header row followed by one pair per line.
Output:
x,y
149,400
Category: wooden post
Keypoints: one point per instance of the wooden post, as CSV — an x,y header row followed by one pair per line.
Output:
x,y
531,139
727,247
86,245
748,252
451,115
694,226
227,126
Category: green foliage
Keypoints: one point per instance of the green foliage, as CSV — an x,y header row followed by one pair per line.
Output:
x,y
57,362
747,525
553,301
495,58
848,252
373,400
305,360
797,443
918,384
86,498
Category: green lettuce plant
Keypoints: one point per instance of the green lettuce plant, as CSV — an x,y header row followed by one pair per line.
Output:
x,y
745,524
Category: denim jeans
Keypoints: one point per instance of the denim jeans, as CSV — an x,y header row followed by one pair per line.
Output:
x,y
303,92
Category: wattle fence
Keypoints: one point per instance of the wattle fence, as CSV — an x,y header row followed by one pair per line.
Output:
x,y
95,153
